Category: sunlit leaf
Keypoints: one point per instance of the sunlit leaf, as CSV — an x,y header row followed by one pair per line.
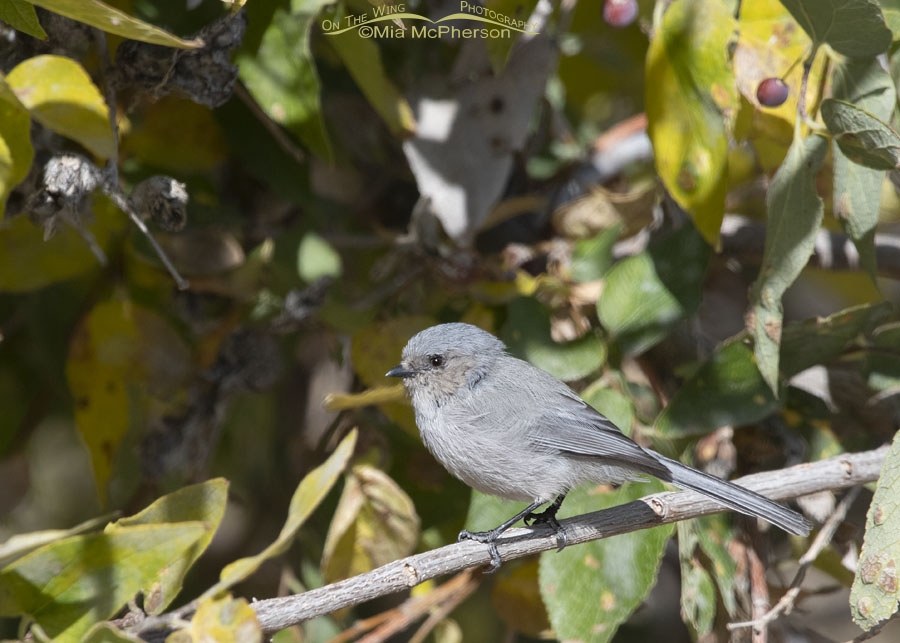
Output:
x,y
309,493
281,75
527,334
851,27
106,632
204,502
795,213
891,11
863,137
375,523
728,390
20,15
691,101
224,620
119,354
592,588
591,258
646,294
873,597
363,60
58,92
69,585
16,151
107,18
857,189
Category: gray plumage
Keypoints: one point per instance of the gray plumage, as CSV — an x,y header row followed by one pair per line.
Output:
x,y
510,429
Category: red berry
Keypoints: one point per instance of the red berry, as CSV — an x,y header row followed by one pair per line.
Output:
x,y
620,13
772,92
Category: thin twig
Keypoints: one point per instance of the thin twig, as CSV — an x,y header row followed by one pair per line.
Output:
x,y
822,540
283,140
835,473
111,186
759,589
444,609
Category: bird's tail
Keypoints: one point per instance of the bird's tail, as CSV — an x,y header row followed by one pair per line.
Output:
x,y
736,497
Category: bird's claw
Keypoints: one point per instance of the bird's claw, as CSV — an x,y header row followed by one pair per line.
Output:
x,y
548,518
489,538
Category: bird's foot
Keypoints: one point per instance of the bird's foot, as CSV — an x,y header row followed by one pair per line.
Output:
x,y
489,538
548,517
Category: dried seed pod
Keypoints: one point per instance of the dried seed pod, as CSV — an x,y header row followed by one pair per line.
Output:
x,y
65,188
162,200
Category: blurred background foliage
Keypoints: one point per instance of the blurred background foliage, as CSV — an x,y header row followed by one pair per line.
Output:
x,y
594,195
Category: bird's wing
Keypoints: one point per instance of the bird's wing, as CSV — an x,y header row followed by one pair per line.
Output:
x,y
576,428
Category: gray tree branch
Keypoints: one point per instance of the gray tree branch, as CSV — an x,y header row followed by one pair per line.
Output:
x,y
835,473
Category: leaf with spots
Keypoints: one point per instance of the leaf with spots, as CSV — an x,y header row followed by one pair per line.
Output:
x,y
698,594
591,589
204,502
873,596
121,356
794,215
691,100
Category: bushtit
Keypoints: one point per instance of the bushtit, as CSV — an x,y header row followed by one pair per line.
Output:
x,y
509,429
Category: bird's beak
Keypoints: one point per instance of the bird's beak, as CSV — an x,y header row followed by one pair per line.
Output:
x,y
399,371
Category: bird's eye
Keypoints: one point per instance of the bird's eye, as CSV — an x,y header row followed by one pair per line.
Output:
x,y
436,360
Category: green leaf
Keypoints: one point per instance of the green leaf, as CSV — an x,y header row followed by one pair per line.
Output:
x,y
316,258
69,585
20,15
726,390
817,341
863,137
16,151
851,27
375,523
591,258
698,594
27,262
873,596
309,493
21,544
363,60
691,101
527,334
795,213
857,189
281,75
591,589
108,633
58,92
204,502
714,533
610,403
647,294
486,512
112,20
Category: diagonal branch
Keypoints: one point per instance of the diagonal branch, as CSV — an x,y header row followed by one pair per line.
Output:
x,y
835,473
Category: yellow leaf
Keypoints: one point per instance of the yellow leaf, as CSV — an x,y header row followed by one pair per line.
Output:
x,y
691,103
224,620
16,152
119,355
59,93
107,18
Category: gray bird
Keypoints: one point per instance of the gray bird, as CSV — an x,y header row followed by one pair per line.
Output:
x,y
510,429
